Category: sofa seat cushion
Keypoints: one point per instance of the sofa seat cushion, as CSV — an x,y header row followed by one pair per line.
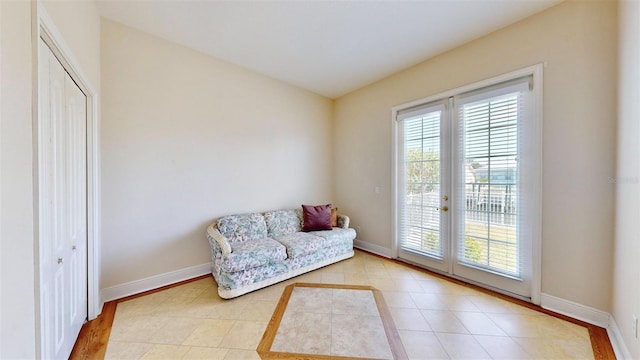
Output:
x,y
283,222
240,228
336,235
319,256
301,243
254,253
239,279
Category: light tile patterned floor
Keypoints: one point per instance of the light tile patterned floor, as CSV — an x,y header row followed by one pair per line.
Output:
x,y
436,319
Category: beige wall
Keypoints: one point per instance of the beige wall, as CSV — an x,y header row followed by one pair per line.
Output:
x,y
187,138
577,42
79,23
17,303
626,271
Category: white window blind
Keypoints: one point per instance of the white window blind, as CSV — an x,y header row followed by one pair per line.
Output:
x,y
421,179
490,208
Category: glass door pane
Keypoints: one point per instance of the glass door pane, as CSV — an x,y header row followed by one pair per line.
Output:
x,y
490,192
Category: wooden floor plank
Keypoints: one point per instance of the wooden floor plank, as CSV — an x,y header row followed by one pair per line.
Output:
x,y
600,343
94,335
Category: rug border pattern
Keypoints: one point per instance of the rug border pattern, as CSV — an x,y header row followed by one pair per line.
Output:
x,y
264,348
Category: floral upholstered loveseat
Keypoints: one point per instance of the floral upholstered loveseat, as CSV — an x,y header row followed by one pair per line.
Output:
x,y
252,251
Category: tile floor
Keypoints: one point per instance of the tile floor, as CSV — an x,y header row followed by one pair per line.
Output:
x,y
436,319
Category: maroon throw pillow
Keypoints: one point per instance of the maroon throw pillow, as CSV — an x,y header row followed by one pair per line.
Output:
x,y
316,217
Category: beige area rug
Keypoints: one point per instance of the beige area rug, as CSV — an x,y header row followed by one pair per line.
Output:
x,y
324,321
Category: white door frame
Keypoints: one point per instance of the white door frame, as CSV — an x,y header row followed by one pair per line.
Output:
x,y
44,27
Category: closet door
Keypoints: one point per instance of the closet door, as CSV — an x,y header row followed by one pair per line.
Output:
x,y
63,204
76,194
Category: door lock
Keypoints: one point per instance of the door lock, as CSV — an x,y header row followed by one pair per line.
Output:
x,y
60,260
445,198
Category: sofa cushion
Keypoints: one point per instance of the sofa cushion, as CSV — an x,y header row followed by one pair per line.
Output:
x,y
283,222
337,235
300,243
239,228
254,253
246,278
318,256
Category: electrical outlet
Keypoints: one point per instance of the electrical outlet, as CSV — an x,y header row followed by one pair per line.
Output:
x,y
634,326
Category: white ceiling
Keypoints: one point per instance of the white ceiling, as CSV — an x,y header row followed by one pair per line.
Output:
x,y
328,47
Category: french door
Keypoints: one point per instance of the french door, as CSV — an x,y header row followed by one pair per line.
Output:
x,y
467,186
424,149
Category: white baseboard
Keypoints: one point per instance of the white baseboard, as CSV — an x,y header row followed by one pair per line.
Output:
x,y
153,282
575,310
372,248
591,316
619,348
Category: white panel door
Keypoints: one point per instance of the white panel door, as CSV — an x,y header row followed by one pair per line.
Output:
x,y
76,193
63,204
47,235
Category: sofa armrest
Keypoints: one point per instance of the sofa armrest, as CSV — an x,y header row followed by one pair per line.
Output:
x,y
343,221
214,235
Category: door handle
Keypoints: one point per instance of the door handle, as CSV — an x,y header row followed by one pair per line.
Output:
x,y
60,260
444,208
73,247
